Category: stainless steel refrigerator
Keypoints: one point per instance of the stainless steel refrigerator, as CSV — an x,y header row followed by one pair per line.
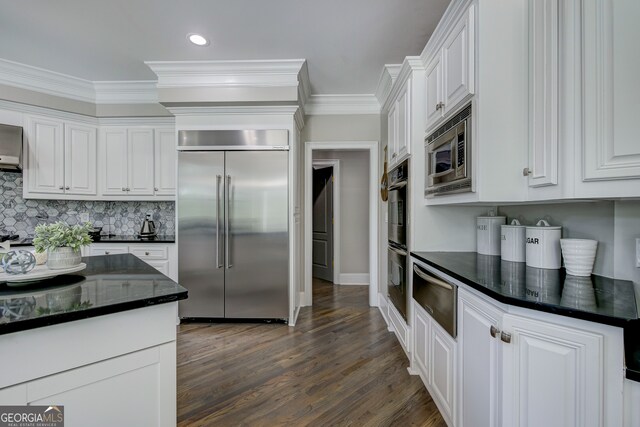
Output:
x,y
233,235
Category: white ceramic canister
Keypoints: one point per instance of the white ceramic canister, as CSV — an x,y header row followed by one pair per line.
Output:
x,y
543,245
488,234
513,236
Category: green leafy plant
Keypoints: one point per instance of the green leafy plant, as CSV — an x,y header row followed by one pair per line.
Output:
x,y
58,235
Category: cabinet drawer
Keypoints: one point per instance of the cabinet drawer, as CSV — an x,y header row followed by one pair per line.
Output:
x,y
112,250
150,252
161,266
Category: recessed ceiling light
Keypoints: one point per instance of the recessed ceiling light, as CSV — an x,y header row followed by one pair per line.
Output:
x,y
197,39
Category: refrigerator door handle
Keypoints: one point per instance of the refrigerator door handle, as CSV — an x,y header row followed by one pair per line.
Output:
x,y
226,223
218,179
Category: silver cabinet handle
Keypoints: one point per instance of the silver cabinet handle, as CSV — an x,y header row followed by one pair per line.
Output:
x,y
155,189
398,251
146,253
61,188
128,189
67,187
226,223
494,331
107,252
434,281
394,155
218,179
397,186
505,337
123,189
439,105
526,172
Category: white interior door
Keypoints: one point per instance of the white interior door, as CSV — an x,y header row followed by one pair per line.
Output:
x,y
323,223
80,148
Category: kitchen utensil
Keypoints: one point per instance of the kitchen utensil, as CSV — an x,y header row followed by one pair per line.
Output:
x,y
488,233
543,245
148,228
95,234
579,255
513,242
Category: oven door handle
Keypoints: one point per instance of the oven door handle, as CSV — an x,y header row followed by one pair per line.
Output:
x,y
439,174
397,186
429,279
398,251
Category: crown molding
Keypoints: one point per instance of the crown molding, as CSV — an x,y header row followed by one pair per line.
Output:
x,y
409,65
342,104
451,15
48,112
172,74
304,87
126,92
388,75
45,81
137,121
222,110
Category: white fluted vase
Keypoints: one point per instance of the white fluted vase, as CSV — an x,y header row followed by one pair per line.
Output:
x,y
64,257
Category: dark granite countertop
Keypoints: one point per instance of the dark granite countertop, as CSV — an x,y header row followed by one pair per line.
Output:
x,y
596,298
163,238
109,284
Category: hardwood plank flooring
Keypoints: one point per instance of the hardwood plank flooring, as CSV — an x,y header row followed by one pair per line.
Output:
x,y
338,366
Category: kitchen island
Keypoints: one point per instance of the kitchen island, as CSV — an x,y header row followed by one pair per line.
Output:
x,y
105,334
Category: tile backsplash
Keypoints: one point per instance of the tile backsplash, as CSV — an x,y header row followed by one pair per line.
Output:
x,y
21,216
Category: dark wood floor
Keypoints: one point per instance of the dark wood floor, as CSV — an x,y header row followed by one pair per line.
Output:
x,y
338,366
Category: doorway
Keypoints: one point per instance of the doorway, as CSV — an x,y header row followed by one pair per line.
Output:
x,y
369,204
323,221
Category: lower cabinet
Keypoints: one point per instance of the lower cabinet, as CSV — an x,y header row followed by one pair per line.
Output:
x,y
162,257
434,360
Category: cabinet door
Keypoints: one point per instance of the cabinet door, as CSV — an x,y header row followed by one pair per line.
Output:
x,y
611,59
434,91
45,145
97,249
161,266
422,342
113,150
553,375
443,369
392,133
165,162
140,150
80,159
404,120
543,92
457,66
480,362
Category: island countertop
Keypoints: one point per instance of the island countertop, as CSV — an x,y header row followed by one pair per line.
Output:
x,y
109,284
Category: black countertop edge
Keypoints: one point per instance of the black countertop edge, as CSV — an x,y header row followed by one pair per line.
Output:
x,y
533,305
112,239
86,314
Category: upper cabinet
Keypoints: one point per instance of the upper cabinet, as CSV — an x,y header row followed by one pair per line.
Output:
x,y
399,125
450,72
61,158
70,160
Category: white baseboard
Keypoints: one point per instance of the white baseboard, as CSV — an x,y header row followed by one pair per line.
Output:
x,y
353,279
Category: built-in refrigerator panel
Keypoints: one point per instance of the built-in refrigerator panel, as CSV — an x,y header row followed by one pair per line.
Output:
x,y
200,233
257,266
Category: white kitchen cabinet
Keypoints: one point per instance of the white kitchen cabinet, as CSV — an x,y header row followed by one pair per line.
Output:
x,y
392,133
62,158
553,375
161,256
127,162
80,159
480,362
45,147
166,159
401,109
450,71
434,360
403,145
107,249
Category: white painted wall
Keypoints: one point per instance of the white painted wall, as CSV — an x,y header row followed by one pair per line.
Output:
x,y
354,208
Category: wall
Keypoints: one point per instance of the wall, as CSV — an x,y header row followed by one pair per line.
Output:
x,y
20,216
354,208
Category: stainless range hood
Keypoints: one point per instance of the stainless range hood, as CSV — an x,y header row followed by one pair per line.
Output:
x,y
10,148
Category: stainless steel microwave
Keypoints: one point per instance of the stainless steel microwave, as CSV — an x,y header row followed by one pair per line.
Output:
x,y
448,157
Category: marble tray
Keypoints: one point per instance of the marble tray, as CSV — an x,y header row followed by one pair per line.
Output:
x,y
40,272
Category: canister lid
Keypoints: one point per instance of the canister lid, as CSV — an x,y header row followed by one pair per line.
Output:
x,y
492,215
543,224
514,224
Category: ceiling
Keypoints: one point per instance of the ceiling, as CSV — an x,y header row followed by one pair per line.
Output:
x,y
346,42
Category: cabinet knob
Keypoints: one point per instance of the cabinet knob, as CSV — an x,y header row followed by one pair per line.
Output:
x,y
107,252
155,189
439,105
124,189
67,187
494,331
505,337
128,189
146,253
61,188
526,172
394,155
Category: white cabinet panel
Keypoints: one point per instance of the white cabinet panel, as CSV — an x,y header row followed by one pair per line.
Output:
x,y
480,362
80,147
152,252
442,369
165,162
611,59
46,155
543,92
457,63
392,134
403,104
422,341
552,375
110,250
161,266
433,94
114,153
140,162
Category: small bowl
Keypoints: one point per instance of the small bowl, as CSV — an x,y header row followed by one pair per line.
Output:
x,y
579,255
41,257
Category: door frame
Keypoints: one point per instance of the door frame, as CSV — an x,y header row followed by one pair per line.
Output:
x,y
335,164
372,148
